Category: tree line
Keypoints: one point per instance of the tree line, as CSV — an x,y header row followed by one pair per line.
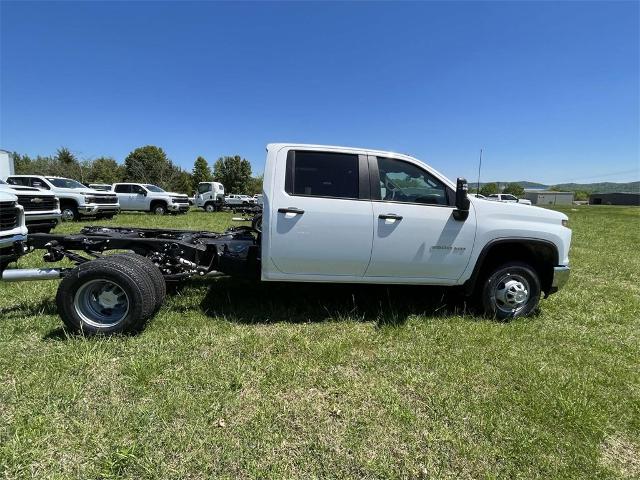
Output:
x,y
148,164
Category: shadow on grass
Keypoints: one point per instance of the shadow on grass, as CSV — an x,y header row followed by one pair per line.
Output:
x,y
43,307
262,303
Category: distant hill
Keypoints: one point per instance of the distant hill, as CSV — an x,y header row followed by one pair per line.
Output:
x,y
602,187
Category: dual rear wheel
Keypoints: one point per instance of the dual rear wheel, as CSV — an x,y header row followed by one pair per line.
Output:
x,y
112,294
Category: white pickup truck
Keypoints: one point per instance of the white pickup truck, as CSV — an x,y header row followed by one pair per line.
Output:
x,y
508,198
76,200
13,230
331,214
143,197
41,208
235,200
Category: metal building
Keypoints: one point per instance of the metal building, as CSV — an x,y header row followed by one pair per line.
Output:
x,y
615,198
547,197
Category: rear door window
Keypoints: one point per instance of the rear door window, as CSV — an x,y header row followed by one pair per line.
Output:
x,y
123,189
322,174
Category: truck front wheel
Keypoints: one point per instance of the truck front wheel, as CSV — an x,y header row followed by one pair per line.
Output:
x,y
159,209
510,290
209,208
106,297
69,213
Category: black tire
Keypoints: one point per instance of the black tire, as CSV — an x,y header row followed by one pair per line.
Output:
x,y
129,297
159,209
209,207
69,213
511,290
155,276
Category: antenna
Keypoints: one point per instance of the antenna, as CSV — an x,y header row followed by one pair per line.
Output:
x,y
479,167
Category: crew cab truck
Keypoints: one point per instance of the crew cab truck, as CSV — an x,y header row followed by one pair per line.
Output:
x,y
144,197
239,200
331,214
13,230
210,196
76,200
41,209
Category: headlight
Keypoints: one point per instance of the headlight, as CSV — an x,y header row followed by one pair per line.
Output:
x,y
88,199
565,223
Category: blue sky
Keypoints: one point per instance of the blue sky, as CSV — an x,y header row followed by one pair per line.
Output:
x,y
549,90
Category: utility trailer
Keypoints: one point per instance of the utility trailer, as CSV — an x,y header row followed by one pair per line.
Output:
x,y
109,292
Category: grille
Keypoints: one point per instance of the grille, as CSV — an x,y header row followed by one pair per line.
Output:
x,y
8,216
105,199
180,200
32,203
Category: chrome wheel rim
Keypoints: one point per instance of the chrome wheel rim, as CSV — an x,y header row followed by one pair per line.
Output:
x,y
159,211
209,208
511,293
101,303
67,214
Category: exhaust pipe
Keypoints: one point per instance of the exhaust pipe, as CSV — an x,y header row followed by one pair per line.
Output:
x,y
27,274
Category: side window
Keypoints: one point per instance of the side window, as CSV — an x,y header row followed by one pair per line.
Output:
x,y
137,189
204,188
402,181
39,183
123,189
322,174
18,181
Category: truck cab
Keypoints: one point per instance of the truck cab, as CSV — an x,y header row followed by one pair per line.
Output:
x,y
76,200
41,208
143,197
210,196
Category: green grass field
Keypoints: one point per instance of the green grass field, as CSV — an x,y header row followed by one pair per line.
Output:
x,y
237,380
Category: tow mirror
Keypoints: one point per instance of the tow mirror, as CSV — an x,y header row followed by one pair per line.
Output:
x,y
462,200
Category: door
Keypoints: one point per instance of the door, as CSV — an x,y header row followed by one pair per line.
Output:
x,y
320,215
138,198
415,235
123,191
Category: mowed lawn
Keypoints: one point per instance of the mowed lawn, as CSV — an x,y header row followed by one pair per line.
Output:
x,y
237,380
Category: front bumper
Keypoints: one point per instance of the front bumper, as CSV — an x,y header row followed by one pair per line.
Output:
x,y
11,248
178,207
560,277
38,219
99,209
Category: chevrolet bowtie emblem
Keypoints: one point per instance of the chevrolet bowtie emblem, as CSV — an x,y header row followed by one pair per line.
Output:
x,y
36,200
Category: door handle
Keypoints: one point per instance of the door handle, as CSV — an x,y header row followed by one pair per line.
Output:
x,y
389,216
295,210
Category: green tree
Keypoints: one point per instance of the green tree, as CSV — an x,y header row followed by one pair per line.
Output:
x,y
234,173
149,164
67,165
105,170
201,172
255,185
180,181
514,189
488,189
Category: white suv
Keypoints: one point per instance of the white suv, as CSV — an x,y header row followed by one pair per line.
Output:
x,y
76,200
142,197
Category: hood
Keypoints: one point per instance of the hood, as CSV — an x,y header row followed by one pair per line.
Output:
x,y
174,194
86,191
19,189
5,196
516,211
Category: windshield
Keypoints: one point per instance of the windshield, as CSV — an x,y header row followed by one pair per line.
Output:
x,y
153,188
65,183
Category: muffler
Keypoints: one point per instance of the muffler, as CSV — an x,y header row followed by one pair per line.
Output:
x,y
32,274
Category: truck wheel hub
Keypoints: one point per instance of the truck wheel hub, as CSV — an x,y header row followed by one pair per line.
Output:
x,y
512,293
101,303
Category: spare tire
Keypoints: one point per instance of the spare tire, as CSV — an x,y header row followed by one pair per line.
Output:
x,y
106,296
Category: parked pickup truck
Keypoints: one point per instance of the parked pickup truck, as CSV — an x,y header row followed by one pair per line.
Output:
x,y
239,200
13,231
508,198
76,200
210,196
143,197
41,209
331,214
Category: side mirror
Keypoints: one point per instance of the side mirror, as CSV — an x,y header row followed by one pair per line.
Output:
x,y
462,200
